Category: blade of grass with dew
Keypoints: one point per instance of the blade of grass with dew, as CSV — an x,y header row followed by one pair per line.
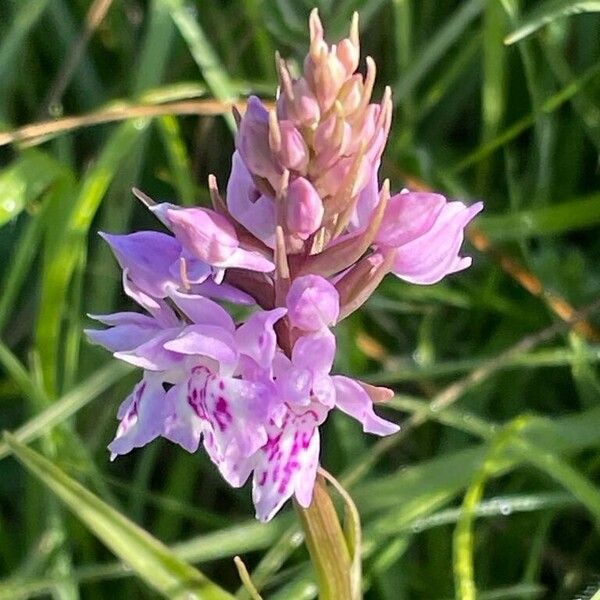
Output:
x,y
62,260
547,12
559,218
153,562
24,181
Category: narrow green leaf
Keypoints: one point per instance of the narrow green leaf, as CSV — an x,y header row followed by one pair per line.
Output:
x,y
203,53
65,407
549,11
436,47
154,563
23,181
62,259
563,217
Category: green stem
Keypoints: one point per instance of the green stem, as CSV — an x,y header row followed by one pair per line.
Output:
x,y
327,545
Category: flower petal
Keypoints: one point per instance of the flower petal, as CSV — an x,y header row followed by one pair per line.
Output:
x,y
256,337
433,253
142,415
313,303
352,399
315,351
287,463
203,311
211,341
246,205
147,256
128,330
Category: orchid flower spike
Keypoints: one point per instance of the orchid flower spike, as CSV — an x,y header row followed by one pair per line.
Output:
x,y
304,236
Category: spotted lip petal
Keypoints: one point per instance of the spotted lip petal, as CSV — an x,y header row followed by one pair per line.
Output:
x,y
287,463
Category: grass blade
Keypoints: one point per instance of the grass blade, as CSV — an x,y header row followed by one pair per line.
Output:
x,y
154,563
546,13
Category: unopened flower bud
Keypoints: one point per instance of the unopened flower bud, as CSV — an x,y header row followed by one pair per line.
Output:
x,y
304,208
293,152
253,142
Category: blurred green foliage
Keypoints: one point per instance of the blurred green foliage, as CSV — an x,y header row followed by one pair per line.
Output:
x,y
493,483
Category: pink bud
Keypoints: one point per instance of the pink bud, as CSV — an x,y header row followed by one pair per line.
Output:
x,y
204,233
350,95
304,208
293,153
348,54
253,142
313,303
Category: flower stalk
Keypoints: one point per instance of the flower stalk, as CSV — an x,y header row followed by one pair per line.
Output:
x,y
327,546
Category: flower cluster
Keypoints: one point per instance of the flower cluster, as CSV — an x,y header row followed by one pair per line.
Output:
x,y
304,237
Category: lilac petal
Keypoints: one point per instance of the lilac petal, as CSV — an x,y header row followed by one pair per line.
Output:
x,y
246,205
248,259
190,270
256,337
142,416
222,291
204,233
203,311
315,351
252,142
313,303
205,340
147,256
128,330
352,399
408,217
233,466
432,256
367,201
287,463
152,355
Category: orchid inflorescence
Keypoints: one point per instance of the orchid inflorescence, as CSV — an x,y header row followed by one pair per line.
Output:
x,y
304,237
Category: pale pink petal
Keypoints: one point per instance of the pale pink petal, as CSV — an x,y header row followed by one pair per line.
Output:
x,y
256,337
315,351
211,341
204,233
304,208
142,416
433,255
247,259
408,217
246,205
352,399
152,355
313,303
203,311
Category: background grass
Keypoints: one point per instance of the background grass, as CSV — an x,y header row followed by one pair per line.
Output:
x,y
492,484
